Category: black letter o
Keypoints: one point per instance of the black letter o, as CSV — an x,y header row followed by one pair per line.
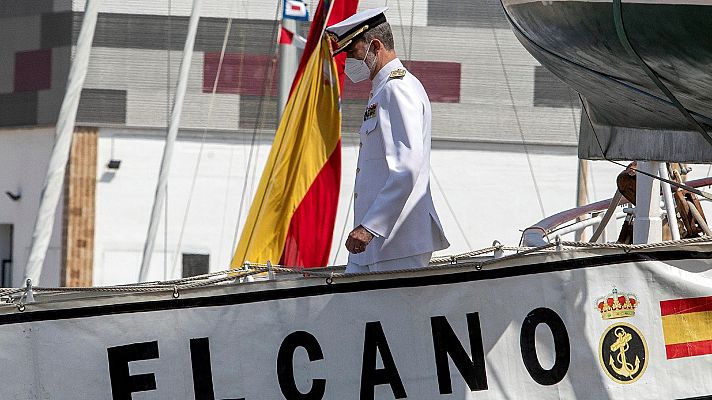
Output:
x,y
561,346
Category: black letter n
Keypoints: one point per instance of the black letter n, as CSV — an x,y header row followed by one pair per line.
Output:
x,y
446,344
123,384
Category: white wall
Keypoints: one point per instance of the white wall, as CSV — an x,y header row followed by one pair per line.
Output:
x,y
489,188
125,198
24,155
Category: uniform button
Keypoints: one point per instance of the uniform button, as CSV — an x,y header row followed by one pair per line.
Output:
x,y
360,144
355,195
358,170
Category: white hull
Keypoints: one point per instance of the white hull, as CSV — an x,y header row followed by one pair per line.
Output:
x,y
255,341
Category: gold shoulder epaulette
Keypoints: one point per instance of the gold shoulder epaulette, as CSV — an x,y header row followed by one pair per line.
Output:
x,y
397,74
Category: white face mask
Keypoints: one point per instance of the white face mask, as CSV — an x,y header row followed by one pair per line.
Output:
x,y
358,70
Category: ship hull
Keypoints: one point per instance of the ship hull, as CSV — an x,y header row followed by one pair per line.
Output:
x,y
530,328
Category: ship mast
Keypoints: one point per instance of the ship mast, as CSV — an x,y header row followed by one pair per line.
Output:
x,y
181,88
56,170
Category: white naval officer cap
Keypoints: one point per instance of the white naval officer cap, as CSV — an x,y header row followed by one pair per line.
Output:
x,y
348,30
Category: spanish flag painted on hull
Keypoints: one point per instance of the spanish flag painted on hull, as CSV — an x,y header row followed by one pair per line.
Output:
x,y
291,220
687,326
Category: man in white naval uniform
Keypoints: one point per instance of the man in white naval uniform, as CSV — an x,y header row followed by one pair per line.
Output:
x,y
396,225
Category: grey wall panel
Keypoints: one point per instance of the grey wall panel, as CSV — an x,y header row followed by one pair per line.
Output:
x,y
144,75
16,34
406,13
56,30
352,116
260,112
224,116
7,70
164,32
103,106
48,104
62,5
503,95
18,109
472,13
61,63
246,35
263,113
147,108
550,91
254,9
49,101
16,8
401,12
504,124
112,68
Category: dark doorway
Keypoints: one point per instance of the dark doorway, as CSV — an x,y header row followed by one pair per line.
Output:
x,y
5,255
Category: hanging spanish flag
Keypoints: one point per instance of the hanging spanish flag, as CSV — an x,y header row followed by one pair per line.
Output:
x,y
687,326
291,220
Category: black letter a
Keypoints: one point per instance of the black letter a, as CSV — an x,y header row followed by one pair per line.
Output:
x,y
375,342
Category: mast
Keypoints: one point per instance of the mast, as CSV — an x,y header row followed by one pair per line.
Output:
x,y
582,193
287,64
56,170
648,226
170,140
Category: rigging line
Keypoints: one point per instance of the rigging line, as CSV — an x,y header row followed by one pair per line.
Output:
x,y
402,26
572,99
165,235
668,181
343,229
259,122
519,124
232,154
226,202
623,38
342,238
410,42
168,123
449,207
196,169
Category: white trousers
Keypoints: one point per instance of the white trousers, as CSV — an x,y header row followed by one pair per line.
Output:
x,y
416,261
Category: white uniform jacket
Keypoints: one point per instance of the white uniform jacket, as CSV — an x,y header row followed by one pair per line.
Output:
x,y
392,190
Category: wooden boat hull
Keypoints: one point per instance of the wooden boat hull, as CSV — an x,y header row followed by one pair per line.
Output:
x,y
633,118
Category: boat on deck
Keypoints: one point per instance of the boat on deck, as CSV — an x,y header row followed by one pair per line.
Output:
x,y
641,67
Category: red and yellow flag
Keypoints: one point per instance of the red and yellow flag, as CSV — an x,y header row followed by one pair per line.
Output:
x,y
687,326
291,220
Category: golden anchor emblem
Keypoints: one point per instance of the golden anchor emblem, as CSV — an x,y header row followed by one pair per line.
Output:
x,y
624,368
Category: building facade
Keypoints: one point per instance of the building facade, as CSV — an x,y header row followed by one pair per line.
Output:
x,y
504,130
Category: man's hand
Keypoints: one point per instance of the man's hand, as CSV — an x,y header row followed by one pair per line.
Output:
x,y
358,240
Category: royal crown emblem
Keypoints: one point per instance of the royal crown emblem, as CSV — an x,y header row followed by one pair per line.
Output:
x,y
617,305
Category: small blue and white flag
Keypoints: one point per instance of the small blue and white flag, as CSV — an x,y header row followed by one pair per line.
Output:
x,y
295,9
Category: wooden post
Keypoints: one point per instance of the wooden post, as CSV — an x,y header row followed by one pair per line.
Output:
x,y
79,209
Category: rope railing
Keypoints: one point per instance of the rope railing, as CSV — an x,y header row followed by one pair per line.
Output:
x,y
21,297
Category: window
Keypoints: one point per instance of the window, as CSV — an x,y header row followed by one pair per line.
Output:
x,y
195,264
